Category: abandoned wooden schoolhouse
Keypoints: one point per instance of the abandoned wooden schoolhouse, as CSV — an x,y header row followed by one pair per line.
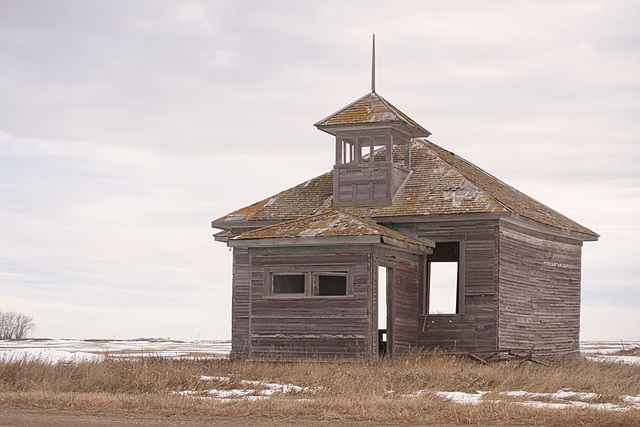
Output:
x,y
403,244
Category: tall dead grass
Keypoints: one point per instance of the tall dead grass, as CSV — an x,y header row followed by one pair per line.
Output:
x,y
365,390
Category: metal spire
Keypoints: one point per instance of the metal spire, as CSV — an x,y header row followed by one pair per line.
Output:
x,y
373,66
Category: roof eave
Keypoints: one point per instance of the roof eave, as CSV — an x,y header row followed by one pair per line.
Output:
x,y
403,127
304,241
427,248
246,224
534,225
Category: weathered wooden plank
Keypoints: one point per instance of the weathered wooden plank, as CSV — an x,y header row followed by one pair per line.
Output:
x,y
297,327
404,323
476,327
240,303
539,293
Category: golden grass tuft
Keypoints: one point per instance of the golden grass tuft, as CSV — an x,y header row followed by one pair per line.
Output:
x,y
358,390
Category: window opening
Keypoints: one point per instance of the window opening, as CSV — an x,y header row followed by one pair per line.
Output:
x,y
365,151
332,285
378,155
379,142
443,269
443,289
288,283
347,151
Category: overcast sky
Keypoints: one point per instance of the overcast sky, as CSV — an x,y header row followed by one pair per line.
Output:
x,y
127,126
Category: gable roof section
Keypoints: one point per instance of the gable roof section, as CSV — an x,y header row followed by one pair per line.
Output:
x,y
331,223
371,108
441,183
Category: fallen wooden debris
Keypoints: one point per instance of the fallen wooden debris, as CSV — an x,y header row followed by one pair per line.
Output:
x,y
495,356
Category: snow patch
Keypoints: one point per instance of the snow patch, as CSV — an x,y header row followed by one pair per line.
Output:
x,y
632,360
48,356
257,390
564,398
462,397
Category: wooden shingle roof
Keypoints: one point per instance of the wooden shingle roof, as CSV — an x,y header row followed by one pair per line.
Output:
x,y
371,108
331,223
441,183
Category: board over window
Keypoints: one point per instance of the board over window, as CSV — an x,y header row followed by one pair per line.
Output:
x,y
308,281
445,294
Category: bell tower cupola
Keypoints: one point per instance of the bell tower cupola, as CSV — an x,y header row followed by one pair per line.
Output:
x,y
373,149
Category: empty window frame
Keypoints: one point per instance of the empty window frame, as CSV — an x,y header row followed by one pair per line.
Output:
x,y
288,284
444,283
348,151
308,281
332,284
369,149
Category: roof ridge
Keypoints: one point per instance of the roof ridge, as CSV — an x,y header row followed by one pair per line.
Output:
x,y
402,115
480,187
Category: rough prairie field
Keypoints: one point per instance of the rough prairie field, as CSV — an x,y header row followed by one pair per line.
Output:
x,y
172,383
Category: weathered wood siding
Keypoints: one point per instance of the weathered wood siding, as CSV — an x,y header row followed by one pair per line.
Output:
x,y
405,306
475,327
362,184
367,184
304,327
240,306
539,294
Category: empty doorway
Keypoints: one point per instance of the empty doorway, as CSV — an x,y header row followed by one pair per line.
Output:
x,y
383,309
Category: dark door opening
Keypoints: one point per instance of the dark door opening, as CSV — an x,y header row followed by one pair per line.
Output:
x,y
382,342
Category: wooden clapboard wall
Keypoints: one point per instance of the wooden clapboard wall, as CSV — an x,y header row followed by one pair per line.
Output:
x,y
475,328
304,327
539,293
240,304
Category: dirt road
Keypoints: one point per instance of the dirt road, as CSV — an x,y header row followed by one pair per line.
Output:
x,y
56,418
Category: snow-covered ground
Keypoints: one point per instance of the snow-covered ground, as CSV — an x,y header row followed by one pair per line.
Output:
x,y
560,399
604,351
60,350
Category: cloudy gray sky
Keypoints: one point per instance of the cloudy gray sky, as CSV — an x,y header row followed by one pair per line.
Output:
x,y
127,126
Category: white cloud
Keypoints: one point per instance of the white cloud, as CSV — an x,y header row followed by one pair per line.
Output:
x,y
124,132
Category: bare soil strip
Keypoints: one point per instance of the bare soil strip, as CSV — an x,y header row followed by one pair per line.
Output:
x,y
53,418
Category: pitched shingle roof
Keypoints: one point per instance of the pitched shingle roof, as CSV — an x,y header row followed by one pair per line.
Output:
x,y
441,183
332,223
371,108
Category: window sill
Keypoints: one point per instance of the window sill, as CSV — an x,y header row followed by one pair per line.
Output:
x,y
306,297
444,315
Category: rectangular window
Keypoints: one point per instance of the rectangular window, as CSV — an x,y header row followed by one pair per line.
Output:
x,y
332,285
443,279
288,283
379,143
365,153
443,287
348,154
308,281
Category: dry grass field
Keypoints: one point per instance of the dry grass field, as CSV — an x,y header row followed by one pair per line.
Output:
x,y
412,389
